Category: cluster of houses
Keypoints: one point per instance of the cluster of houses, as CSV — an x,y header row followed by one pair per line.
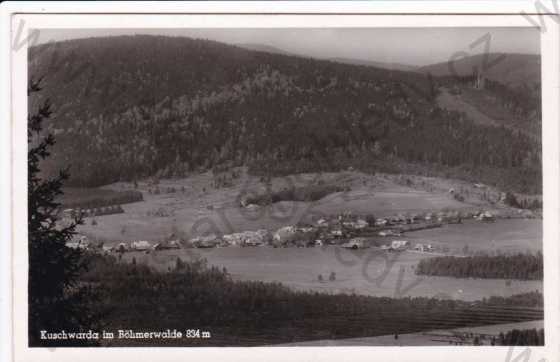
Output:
x,y
79,242
484,216
143,245
346,230
96,211
82,242
246,238
425,248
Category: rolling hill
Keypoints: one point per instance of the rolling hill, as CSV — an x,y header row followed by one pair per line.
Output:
x,y
372,63
367,63
129,107
263,48
515,70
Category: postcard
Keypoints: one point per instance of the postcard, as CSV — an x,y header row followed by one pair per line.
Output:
x,y
321,186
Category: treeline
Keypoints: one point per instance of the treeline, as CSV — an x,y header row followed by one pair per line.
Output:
x,y
304,193
522,337
193,104
135,296
97,198
531,203
534,298
519,266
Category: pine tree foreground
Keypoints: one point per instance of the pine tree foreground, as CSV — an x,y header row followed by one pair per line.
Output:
x,y
57,302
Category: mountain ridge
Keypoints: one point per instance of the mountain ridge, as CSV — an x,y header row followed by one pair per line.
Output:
x,y
136,106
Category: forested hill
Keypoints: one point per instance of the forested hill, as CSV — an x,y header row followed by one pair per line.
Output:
x,y
515,70
136,106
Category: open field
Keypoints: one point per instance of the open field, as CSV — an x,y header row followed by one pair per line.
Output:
x,y
200,209
507,236
369,271
267,313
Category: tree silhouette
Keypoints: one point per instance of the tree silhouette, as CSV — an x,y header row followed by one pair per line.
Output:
x,y
56,300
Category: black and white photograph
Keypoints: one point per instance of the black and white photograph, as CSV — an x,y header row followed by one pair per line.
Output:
x,y
284,187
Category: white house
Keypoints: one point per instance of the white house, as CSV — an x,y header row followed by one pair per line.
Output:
x,y
285,234
355,243
140,245
400,244
380,222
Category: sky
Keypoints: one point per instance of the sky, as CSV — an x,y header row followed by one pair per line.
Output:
x,y
410,46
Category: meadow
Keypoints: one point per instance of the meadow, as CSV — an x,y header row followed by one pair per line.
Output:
x,y
366,272
251,313
196,208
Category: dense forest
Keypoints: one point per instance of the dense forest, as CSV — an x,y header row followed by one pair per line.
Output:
x,y
519,266
97,198
523,337
135,106
135,296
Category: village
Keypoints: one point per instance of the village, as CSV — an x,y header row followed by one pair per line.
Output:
x,y
345,230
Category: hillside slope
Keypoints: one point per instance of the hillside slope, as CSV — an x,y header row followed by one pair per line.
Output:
x,y
372,63
515,70
135,106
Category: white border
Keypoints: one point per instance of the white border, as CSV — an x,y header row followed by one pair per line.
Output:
x,y
550,41
285,7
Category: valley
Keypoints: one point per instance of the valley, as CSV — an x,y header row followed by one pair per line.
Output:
x,y
273,198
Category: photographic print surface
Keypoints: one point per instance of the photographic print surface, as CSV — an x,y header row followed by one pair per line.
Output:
x,y
285,187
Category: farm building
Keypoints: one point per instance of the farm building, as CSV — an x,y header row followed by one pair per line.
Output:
x,y
424,247
486,216
167,245
356,243
400,244
294,235
337,233
248,238
254,238
234,239
78,242
285,234
209,241
389,233
140,245
356,225
381,222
